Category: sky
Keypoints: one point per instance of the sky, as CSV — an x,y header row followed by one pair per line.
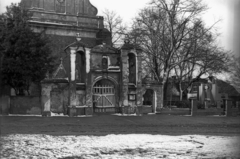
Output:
x,y
227,11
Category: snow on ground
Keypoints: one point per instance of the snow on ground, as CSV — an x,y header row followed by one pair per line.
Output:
x,y
119,146
52,115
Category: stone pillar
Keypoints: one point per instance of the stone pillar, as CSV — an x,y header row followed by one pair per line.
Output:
x,y
193,109
159,99
238,106
125,80
205,104
228,108
89,109
72,88
139,101
139,95
154,101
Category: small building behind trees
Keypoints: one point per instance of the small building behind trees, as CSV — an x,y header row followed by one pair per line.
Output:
x,y
209,92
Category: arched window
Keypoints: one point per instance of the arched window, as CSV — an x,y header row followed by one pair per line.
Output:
x,y
132,68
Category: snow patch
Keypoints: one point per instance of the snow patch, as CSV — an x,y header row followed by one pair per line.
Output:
x,y
151,114
24,115
84,116
119,114
119,146
58,114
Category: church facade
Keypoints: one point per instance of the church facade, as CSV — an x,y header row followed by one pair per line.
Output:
x,y
91,77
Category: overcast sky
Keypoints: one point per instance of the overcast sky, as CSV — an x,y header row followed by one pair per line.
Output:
x,y
226,10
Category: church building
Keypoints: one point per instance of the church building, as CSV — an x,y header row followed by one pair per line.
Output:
x,y
91,77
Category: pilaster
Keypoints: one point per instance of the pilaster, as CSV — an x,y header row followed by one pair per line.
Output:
x,y
88,80
125,79
73,99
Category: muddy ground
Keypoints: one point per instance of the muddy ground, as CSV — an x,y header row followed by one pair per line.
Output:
x,y
113,124
112,136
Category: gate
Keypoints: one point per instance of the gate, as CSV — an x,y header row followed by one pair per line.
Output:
x,y
104,97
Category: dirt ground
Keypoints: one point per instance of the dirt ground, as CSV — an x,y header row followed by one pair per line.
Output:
x,y
113,136
113,124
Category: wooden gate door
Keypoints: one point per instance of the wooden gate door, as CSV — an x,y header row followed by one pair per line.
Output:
x,y
104,97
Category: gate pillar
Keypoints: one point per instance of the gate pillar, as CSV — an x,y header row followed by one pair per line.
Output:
x,y
88,81
125,79
73,49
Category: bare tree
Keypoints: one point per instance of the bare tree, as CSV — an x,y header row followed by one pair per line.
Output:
x,y
165,31
114,24
175,40
200,57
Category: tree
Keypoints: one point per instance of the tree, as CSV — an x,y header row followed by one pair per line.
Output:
x,y
165,29
114,24
25,55
202,56
173,37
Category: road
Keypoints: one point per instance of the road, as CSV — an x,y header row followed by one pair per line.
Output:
x,y
112,124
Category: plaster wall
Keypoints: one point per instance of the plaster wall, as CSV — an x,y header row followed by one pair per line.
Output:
x,y
81,97
25,105
4,105
55,97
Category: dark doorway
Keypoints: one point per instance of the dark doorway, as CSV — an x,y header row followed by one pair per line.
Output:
x,y
148,100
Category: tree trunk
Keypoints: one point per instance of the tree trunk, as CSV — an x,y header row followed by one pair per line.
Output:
x,y
28,92
165,84
21,92
165,88
181,95
180,91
